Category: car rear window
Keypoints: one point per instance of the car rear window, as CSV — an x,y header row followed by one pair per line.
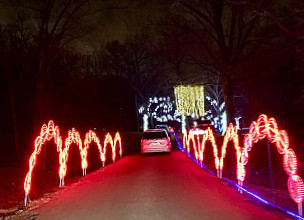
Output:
x,y
155,135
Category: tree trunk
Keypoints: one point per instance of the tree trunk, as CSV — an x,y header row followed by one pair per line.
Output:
x,y
14,114
136,108
42,68
39,97
39,108
228,97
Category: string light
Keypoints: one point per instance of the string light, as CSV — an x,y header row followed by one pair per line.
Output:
x,y
189,100
263,128
91,136
46,134
109,140
209,136
239,186
51,131
216,113
231,135
160,109
258,130
73,137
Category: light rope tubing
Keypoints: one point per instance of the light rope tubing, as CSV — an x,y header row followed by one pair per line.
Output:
x,y
258,130
51,131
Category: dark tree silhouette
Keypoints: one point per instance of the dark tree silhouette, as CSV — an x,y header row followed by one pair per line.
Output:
x,y
225,37
139,62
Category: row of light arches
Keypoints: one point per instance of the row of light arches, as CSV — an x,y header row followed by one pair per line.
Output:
x,y
263,128
51,131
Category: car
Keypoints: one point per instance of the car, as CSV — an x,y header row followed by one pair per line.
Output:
x,y
163,126
155,140
199,129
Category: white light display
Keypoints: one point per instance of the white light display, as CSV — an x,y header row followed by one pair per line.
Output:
x,y
184,130
160,109
217,114
237,122
224,123
145,122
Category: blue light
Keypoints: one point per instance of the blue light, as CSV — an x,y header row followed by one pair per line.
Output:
x,y
179,145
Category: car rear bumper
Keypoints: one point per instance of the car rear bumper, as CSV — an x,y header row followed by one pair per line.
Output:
x,y
155,149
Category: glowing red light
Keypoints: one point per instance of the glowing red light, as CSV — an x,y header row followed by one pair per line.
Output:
x,y
265,127
258,130
91,136
51,131
46,134
73,137
290,162
253,131
282,141
272,130
241,172
231,135
208,136
296,188
244,156
248,142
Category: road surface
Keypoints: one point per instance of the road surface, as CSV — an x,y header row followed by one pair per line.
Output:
x,y
169,186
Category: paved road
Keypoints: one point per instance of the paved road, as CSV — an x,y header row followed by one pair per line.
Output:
x,y
158,187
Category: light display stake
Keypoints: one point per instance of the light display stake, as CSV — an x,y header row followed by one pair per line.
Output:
x,y
183,124
145,122
258,130
49,132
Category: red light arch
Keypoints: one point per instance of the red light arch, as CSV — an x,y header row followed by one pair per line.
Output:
x,y
91,136
209,136
49,132
261,129
258,130
73,138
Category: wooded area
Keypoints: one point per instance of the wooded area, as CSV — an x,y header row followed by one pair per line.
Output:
x,y
91,64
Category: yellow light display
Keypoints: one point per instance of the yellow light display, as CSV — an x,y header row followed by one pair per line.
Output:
x,y
190,100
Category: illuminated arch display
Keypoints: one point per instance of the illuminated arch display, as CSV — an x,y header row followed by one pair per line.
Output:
x,y
50,131
261,129
73,137
208,136
187,139
117,139
47,133
258,130
231,135
91,136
